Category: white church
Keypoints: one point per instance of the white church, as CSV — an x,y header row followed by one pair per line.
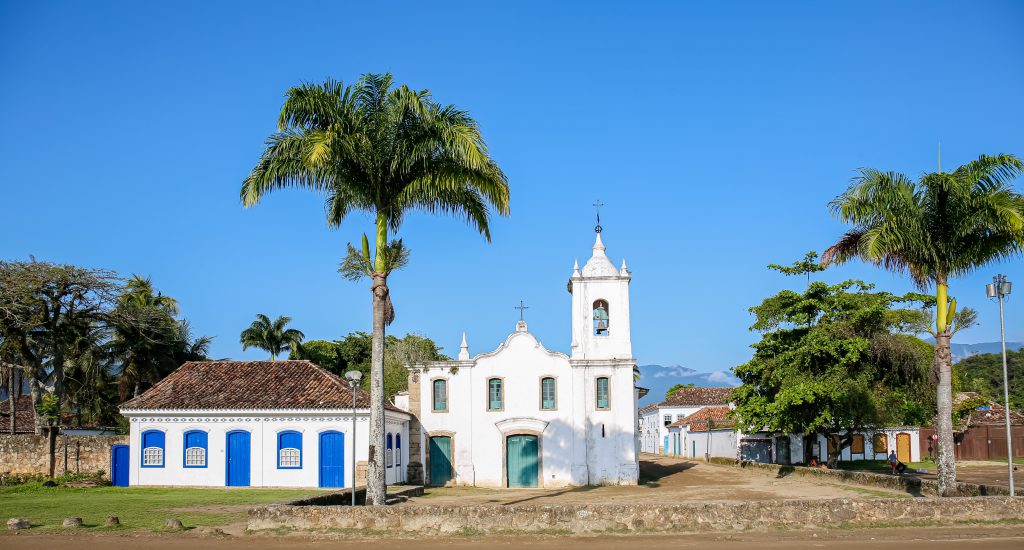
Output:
x,y
525,416
519,416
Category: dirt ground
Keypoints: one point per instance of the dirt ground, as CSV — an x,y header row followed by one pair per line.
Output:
x,y
669,480
996,537
984,473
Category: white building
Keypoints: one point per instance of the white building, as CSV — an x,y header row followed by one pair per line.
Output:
x,y
708,432
655,418
525,416
253,423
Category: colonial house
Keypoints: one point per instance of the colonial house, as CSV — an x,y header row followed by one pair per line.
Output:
x,y
526,416
707,432
656,418
253,423
678,427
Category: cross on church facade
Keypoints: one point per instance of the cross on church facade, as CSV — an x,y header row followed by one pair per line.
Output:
x,y
521,309
598,204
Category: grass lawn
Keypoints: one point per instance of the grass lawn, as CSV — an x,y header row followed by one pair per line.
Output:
x,y
879,465
137,507
1018,460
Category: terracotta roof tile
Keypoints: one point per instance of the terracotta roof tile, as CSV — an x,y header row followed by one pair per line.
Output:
x,y
24,418
698,421
996,415
250,385
693,397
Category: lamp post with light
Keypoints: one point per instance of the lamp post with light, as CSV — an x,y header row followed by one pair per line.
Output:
x,y
999,288
353,377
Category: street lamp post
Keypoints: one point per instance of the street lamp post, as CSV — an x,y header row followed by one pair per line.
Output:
x,y
353,377
999,288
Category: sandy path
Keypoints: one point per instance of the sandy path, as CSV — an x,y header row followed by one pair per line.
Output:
x,y
674,480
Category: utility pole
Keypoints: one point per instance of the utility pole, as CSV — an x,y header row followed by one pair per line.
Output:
x,y
1000,288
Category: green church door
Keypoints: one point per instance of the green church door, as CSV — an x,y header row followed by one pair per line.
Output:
x,y
521,460
440,460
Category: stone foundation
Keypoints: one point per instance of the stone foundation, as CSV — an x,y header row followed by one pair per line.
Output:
x,y
29,454
689,517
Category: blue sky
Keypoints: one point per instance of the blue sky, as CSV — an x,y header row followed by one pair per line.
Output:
x,y
716,133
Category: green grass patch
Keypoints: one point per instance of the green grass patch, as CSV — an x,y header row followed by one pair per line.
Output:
x,y
1003,460
144,508
879,465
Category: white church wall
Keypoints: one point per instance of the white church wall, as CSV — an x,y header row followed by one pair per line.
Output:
x,y
263,428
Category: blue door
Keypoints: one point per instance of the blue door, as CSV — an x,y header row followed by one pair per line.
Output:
x,y
238,459
119,465
332,459
665,447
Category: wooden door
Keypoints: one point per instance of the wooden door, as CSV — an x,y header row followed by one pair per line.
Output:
x,y
521,460
903,447
238,459
332,459
440,460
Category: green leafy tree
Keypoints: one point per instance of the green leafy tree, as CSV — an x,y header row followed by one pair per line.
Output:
x,y
271,336
677,387
353,352
386,151
829,360
983,373
942,226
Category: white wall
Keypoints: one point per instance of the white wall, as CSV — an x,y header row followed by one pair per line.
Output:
x,y
696,444
570,436
263,428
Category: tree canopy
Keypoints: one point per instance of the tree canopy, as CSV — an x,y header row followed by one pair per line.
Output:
x,y
832,358
353,352
983,373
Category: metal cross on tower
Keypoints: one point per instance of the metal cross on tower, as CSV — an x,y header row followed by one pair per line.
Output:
x,y
521,309
598,206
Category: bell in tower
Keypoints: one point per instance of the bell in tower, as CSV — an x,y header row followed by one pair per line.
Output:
x,y
600,318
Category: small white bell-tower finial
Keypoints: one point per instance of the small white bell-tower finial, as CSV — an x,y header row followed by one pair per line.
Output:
x,y
464,350
576,268
623,271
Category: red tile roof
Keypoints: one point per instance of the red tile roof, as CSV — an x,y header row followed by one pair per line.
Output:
x,y
250,385
996,415
694,397
698,421
24,418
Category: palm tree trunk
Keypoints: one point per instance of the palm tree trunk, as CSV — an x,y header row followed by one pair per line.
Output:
x,y
944,418
376,487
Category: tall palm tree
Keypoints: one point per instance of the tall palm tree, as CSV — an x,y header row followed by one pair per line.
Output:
x,y
385,151
942,226
271,336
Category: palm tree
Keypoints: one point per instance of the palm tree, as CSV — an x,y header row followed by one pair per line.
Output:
x,y
271,336
385,151
942,226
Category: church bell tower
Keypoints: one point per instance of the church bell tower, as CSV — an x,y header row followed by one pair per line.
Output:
x,y
600,307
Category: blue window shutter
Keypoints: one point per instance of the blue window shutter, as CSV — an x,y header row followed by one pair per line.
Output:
x,y
289,440
398,449
195,439
389,441
153,439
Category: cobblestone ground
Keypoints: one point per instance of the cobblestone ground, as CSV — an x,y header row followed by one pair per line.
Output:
x,y
668,480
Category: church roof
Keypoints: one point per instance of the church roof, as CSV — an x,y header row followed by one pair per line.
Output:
x,y
694,397
250,385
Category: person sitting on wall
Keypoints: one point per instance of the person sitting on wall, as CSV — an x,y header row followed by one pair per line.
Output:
x,y
893,462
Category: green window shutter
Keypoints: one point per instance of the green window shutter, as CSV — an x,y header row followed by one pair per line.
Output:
x,y
547,393
440,395
495,395
602,393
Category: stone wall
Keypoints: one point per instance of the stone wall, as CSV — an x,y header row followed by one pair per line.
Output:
x,y
688,517
414,470
29,454
908,483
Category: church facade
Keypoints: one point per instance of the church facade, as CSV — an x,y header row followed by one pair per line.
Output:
x,y
525,416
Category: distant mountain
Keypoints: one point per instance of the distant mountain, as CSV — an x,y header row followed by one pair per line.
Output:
x,y
659,379
963,351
